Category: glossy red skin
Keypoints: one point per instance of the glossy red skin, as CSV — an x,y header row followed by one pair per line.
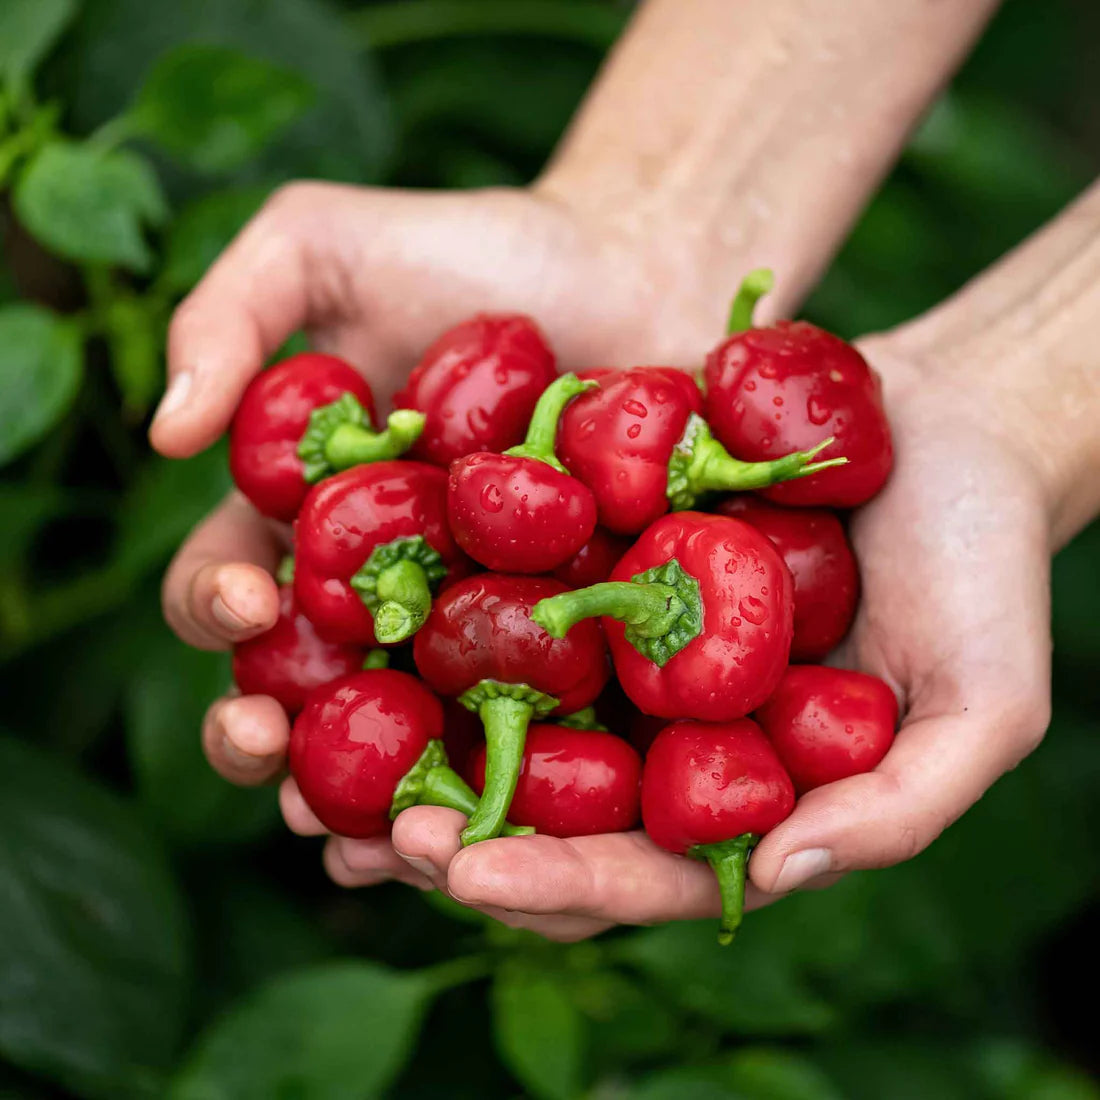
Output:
x,y
344,518
815,548
594,561
618,440
704,783
477,385
353,743
288,661
269,422
481,629
517,515
737,659
785,388
829,723
572,782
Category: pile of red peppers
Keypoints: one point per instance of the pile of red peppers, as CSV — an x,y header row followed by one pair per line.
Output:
x,y
576,603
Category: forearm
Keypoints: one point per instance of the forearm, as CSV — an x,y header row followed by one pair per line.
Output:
x,y
747,134
1024,340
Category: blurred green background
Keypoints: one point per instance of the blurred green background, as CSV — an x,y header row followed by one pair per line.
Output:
x,y
160,933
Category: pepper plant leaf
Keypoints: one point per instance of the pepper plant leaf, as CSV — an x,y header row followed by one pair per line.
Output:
x,y
40,371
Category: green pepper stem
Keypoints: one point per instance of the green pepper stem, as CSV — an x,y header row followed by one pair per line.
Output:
x,y
753,287
729,860
542,432
505,720
432,782
583,719
405,599
445,787
700,464
650,609
375,659
353,444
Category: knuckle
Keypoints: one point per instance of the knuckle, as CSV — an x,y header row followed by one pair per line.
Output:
x,y
288,200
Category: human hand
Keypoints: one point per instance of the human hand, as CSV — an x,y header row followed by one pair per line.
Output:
x,y
375,276
954,616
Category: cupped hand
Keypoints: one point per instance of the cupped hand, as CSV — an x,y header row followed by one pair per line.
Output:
x,y
374,276
955,561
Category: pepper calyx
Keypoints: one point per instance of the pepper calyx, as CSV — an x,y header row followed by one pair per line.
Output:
x,y
542,431
340,435
411,786
396,584
685,610
700,464
583,719
485,691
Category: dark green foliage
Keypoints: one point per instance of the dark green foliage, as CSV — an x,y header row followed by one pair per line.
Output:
x,y
161,935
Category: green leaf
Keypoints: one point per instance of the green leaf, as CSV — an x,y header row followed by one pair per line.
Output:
x,y
339,1031
91,934
215,108
624,1022
28,29
90,205
40,370
201,231
168,694
538,1031
753,1073
346,135
135,334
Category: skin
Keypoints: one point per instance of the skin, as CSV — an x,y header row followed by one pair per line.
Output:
x,y
653,202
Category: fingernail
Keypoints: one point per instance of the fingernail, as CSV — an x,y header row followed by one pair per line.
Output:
x,y
424,866
800,867
175,397
227,617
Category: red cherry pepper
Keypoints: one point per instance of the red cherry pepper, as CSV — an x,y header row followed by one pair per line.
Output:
x,y
594,561
639,444
573,782
712,791
371,546
477,386
781,388
480,645
521,512
301,420
826,577
462,734
829,723
288,661
698,615
366,747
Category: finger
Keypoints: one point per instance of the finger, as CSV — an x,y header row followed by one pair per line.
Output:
x,y
219,588
622,878
352,863
427,839
298,816
270,282
938,767
245,739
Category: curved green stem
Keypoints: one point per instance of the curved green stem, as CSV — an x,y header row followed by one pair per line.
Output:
x,y
753,287
432,782
728,859
542,432
661,609
340,435
650,608
353,444
405,599
700,464
505,711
